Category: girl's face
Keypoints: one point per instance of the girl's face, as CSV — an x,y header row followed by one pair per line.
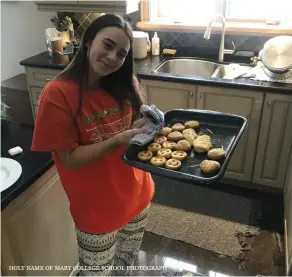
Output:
x,y
108,50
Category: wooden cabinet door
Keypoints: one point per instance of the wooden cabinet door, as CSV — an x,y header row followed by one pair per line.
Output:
x,y
244,103
288,216
40,230
168,95
275,141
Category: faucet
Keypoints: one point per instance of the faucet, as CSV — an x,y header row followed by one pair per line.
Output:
x,y
207,34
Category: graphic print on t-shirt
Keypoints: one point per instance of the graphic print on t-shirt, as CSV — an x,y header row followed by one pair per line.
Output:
x,y
102,124
105,131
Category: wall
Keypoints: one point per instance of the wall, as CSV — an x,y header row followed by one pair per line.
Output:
x,y
22,36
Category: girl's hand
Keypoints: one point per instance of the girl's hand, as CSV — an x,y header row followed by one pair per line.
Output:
x,y
125,137
139,123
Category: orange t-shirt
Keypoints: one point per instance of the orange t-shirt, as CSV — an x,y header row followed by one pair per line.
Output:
x,y
106,194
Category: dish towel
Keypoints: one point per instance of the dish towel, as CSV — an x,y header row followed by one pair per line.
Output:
x,y
154,127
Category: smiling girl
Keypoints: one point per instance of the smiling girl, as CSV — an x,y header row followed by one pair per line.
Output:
x,y
87,117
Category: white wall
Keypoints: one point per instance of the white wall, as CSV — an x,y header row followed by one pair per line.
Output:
x,y
22,34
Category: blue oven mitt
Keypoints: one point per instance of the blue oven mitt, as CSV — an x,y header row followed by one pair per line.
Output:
x,y
154,127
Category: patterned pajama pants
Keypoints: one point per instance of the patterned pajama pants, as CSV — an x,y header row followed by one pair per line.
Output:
x,y
111,253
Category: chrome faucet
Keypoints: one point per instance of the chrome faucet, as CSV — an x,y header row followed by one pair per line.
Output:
x,y
207,34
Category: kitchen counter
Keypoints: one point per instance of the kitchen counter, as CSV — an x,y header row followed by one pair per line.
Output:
x,y
145,69
34,164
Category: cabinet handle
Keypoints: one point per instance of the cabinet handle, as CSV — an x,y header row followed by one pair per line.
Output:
x,y
269,103
48,79
201,95
191,94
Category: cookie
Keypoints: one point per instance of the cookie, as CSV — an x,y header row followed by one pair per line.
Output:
x,y
165,131
190,135
178,127
209,167
183,145
169,144
145,155
173,164
158,161
153,147
179,155
164,152
175,136
216,154
160,139
202,144
192,124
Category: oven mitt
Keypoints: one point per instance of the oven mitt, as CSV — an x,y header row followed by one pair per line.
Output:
x,y
153,128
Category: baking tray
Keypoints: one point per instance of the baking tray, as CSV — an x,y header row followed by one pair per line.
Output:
x,y
224,129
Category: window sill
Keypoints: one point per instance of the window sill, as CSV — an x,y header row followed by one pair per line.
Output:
x,y
243,28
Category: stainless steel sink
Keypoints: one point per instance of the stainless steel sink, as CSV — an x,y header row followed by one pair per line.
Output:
x,y
230,72
188,67
195,67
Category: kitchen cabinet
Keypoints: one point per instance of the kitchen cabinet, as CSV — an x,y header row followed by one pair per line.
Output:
x,y
37,78
275,141
99,6
167,95
288,216
37,230
244,103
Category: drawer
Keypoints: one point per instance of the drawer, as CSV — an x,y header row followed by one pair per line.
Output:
x,y
40,76
35,94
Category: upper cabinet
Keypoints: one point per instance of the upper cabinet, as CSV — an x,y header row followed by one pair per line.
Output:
x,y
275,141
244,103
126,6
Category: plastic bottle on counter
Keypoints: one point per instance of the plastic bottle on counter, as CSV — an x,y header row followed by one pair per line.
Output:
x,y
155,45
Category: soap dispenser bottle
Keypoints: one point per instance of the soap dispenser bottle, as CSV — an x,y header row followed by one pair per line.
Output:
x,y
155,45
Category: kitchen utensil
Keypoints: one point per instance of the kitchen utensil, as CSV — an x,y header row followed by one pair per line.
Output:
x,y
51,33
225,131
277,54
141,44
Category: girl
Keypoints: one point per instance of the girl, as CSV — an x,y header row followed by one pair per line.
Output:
x,y
87,116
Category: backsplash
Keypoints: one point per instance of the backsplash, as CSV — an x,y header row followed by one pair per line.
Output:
x,y
177,39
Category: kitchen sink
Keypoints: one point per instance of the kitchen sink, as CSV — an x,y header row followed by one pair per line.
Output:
x,y
230,71
195,67
188,67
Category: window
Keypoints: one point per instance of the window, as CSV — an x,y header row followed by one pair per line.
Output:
x,y
192,11
185,11
259,10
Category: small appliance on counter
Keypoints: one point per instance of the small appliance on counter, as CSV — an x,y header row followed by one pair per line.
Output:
x,y
275,63
141,44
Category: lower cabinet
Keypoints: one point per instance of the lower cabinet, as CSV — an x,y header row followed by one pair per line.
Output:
x,y
275,141
261,156
244,103
288,216
37,78
167,95
37,231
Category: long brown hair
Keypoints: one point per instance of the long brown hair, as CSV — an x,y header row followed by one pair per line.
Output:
x,y
120,84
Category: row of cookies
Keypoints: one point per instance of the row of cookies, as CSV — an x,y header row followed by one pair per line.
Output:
x,y
168,152
164,157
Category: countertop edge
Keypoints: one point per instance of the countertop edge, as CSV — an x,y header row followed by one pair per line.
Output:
x,y
24,186
251,85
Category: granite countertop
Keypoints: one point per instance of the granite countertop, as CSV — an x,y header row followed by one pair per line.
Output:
x,y
34,164
145,69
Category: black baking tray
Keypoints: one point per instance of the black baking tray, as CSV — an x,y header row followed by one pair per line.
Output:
x,y
224,129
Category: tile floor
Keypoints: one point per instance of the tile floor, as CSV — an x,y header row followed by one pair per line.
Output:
x,y
162,256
